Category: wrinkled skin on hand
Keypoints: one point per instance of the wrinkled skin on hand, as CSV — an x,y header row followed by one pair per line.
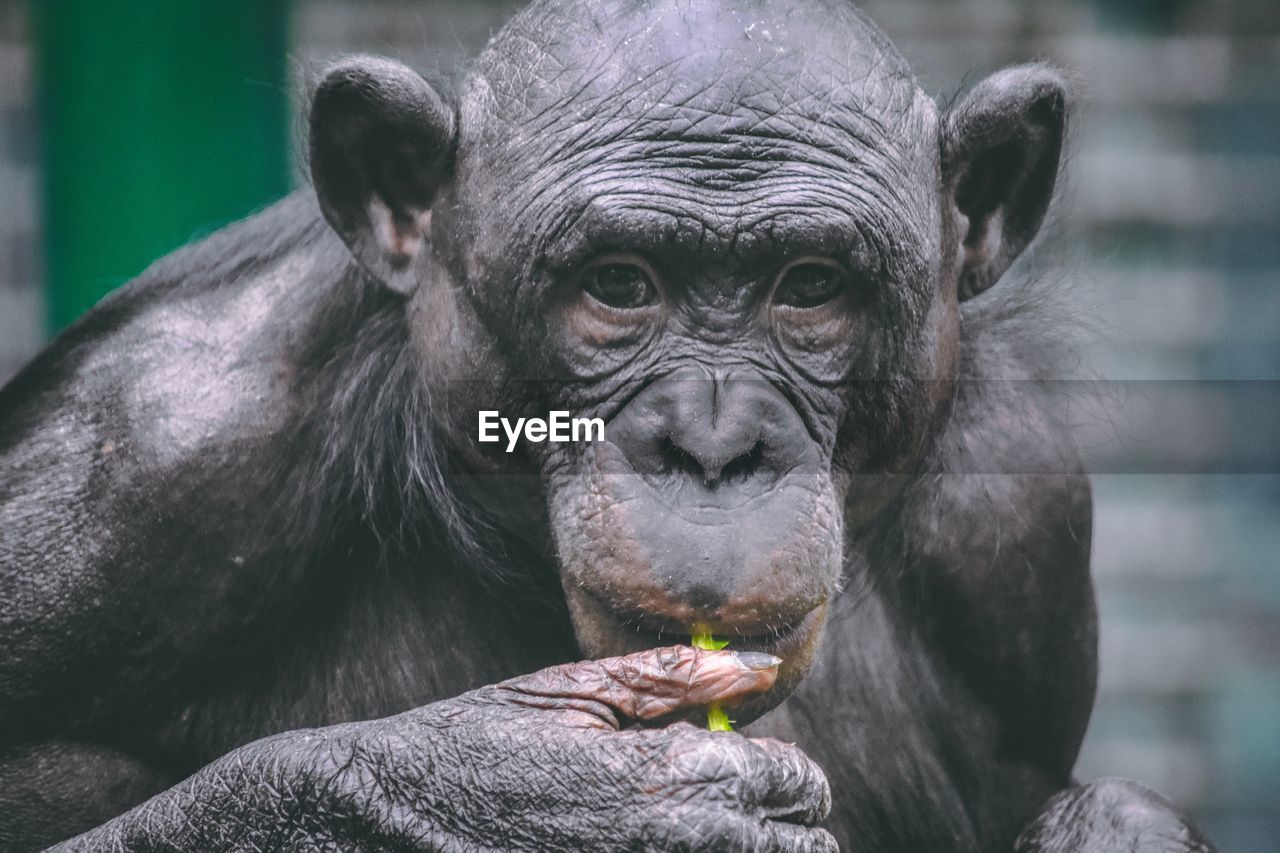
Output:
x,y
553,760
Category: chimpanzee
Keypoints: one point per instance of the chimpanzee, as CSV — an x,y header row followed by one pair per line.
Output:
x,y
263,588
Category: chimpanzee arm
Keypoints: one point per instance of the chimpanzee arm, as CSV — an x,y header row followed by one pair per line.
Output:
x,y
537,762
1111,814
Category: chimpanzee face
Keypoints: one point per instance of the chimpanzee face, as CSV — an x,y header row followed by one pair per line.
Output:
x,y
718,238
738,234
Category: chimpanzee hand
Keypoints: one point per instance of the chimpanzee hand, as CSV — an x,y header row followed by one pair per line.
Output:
x,y
538,762
1111,814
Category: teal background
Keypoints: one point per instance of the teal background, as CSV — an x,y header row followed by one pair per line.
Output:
x,y
160,120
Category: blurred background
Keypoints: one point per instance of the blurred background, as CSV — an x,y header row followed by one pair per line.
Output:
x,y
128,128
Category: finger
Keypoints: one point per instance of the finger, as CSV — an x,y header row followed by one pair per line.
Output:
x,y
648,684
789,787
791,838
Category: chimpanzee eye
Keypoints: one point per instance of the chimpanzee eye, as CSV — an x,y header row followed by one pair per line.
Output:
x,y
810,285
620,285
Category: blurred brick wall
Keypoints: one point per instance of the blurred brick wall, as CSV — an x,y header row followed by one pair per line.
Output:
x,y
20,278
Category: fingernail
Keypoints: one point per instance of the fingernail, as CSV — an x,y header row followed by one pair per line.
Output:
x,y
757,660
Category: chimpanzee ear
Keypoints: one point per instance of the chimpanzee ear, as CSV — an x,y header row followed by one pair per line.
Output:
x,y
382,142
1000,150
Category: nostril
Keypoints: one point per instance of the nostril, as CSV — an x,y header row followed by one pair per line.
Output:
x,y
712,471
677,460
744,465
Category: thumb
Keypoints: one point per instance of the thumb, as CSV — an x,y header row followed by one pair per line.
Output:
x,y
644,685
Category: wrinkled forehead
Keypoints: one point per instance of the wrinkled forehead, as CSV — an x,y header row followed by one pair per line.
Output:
x,y
574,73
739,129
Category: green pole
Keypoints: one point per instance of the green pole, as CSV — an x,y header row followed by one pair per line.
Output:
x,y
162,120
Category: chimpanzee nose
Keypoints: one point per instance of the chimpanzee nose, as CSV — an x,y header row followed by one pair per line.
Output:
x,y
717,430
713,434
715,461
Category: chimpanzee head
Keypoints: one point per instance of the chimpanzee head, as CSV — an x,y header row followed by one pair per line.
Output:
x,y
735,231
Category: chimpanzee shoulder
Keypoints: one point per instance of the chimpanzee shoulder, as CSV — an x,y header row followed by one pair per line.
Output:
x,y
163,413
999,530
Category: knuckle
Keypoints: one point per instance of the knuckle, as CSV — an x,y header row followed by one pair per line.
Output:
x,y
818,841
627,672
790,786
711,760
669,660
796,763
789,838
812,779
659,666
823,807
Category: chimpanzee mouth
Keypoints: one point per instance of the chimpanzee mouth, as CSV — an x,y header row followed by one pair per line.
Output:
x,y
795,643
603,632
636,632
767,642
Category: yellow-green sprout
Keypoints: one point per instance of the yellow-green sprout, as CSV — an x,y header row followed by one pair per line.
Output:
x,y
717,719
